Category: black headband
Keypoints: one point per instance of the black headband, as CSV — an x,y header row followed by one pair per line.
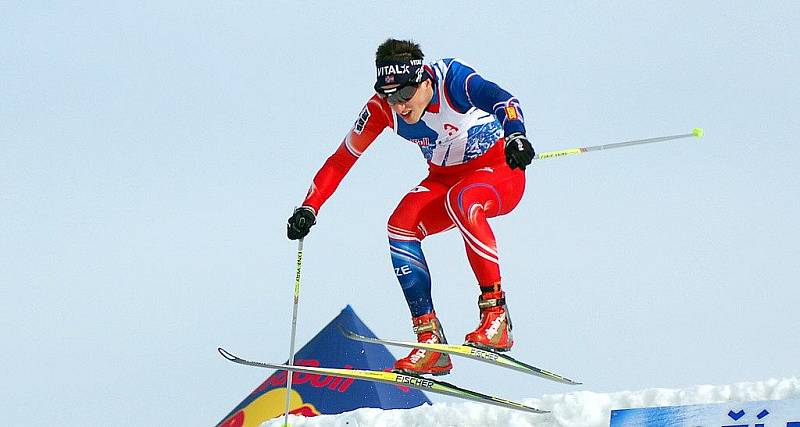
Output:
x,y
402,73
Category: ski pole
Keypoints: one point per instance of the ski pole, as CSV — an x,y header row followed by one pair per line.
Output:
x,y
294,329
696,132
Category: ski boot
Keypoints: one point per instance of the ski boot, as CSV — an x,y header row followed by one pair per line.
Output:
x,y
422,361
494,331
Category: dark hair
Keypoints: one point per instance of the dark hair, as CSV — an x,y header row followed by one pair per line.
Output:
x,y
393,50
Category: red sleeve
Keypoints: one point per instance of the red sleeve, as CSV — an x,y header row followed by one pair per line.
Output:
x,y
373,119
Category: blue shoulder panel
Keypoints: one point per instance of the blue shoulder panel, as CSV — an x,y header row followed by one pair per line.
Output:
x,y
466,89
455,85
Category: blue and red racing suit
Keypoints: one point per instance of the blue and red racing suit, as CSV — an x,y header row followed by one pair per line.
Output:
x,y
461,136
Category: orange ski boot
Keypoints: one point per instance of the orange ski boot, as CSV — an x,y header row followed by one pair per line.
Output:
x,y
422,361
494,331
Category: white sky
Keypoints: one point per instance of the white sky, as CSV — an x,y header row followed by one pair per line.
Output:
x,y
150,154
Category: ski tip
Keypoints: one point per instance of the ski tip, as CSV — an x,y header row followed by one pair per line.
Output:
x,y
562,380
698,132
346,332
533,410
225,353
568,381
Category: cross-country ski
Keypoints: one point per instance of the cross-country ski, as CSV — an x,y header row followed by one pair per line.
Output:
x,y
404,380
474,353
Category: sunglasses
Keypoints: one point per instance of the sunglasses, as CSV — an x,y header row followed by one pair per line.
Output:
x,y
401,94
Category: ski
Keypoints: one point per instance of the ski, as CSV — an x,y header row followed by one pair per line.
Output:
x,y
468,352
404,380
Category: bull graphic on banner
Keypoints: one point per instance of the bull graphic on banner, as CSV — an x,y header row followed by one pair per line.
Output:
x,y
314,394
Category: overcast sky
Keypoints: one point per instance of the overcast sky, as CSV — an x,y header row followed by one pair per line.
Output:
x,y
151,152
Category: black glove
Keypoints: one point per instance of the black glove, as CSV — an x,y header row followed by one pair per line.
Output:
x,y
519,151
300,222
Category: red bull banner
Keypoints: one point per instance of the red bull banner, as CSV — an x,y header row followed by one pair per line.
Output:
x,y
314,394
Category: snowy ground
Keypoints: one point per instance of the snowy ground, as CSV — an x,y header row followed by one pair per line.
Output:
x,y
579,409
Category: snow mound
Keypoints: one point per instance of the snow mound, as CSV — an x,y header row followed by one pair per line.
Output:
x,y
576,409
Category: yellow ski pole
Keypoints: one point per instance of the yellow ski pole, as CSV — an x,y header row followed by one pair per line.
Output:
x,y
696,132
294,329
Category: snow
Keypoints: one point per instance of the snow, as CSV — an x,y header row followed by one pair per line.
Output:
x,y
578,409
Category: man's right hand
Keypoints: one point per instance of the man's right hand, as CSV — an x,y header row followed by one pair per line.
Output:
x,y
300,222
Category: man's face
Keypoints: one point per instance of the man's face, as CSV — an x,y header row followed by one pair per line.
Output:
x,y
412,110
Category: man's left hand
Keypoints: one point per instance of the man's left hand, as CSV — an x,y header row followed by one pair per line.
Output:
x,y
519,151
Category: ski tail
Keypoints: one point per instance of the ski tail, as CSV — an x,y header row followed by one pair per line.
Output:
x,y
404,380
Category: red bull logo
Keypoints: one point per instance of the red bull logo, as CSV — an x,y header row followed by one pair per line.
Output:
x,y
270,405
338,384
271,396
422,142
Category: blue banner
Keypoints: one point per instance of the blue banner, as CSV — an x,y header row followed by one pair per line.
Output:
x,y
768,413
322,394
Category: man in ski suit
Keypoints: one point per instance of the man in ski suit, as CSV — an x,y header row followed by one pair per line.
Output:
x,y
472,134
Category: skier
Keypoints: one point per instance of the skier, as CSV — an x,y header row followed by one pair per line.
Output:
x,y
472,134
